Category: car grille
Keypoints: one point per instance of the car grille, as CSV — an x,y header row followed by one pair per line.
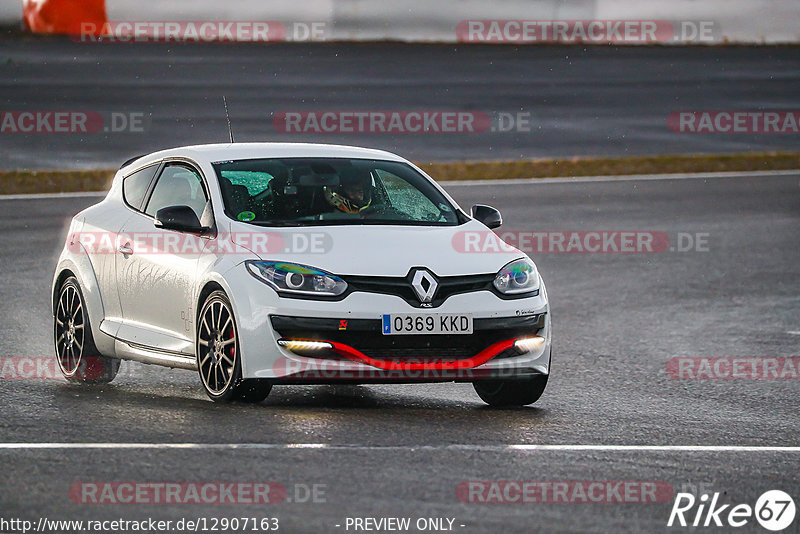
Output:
x,y
401,286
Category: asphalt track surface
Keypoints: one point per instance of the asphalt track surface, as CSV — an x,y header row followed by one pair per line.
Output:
x,y
402,450
581,101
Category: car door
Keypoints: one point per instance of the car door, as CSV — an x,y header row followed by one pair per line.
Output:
x,y
157,270
99,234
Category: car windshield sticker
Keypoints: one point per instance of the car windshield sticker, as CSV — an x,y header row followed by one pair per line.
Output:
x,y
246,216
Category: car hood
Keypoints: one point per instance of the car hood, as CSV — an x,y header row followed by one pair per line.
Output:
x,y
379,250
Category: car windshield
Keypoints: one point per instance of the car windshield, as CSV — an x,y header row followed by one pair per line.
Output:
x,y
323,191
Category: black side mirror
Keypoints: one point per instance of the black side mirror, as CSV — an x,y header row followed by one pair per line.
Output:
x,y
180,218
487,215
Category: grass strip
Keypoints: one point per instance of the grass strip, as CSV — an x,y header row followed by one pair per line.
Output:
x,y
27,182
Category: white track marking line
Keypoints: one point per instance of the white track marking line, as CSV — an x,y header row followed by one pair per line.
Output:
x,y
621,178
794,332
460,447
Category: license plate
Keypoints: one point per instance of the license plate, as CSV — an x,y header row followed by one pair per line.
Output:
x,y
432,323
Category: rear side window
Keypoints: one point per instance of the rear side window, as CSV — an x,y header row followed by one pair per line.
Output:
x,y
134,186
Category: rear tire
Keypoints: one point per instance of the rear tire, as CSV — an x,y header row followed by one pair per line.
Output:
x,y
76,354
520,392
218,359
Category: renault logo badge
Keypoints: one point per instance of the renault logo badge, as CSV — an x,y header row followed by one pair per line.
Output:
x,y
425,285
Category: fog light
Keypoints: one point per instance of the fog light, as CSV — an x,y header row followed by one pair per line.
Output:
x,y
529,344
297,344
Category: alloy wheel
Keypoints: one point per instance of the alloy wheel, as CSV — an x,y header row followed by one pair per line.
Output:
x,y
70,331
217,350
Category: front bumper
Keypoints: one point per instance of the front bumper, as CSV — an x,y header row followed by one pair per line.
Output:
x,y
359,353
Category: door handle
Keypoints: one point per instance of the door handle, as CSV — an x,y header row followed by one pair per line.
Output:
x,y
125,249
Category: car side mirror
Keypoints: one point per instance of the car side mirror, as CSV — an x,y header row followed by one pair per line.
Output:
x,y
487,215
179,218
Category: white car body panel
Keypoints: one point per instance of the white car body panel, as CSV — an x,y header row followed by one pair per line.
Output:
x,y
156,289
390,250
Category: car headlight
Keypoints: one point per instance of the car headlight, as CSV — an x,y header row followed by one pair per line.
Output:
x,y
517,277
295,279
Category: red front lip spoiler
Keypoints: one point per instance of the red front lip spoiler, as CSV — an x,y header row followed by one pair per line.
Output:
x,y
469,363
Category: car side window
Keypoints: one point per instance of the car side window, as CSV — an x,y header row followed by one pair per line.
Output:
x,y
134,186
178,185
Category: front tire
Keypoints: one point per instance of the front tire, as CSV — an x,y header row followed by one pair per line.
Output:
x,y
76,354
218,358
520,392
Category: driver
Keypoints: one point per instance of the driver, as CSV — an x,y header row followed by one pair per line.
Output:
x,y
352,195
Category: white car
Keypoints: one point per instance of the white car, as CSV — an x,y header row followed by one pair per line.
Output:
x,y
266,263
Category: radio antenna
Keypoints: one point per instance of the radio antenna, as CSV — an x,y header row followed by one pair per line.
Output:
x,y
227,117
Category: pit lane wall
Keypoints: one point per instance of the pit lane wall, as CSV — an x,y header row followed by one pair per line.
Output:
x,y
731,21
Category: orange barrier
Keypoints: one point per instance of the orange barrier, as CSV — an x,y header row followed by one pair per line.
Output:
x,y
63,16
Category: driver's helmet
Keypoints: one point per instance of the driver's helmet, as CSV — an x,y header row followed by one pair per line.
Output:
x,y
352,195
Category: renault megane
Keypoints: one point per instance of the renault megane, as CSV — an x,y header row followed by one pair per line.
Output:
x,y
265,263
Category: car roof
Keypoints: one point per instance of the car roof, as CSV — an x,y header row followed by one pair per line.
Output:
x,y
235,151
